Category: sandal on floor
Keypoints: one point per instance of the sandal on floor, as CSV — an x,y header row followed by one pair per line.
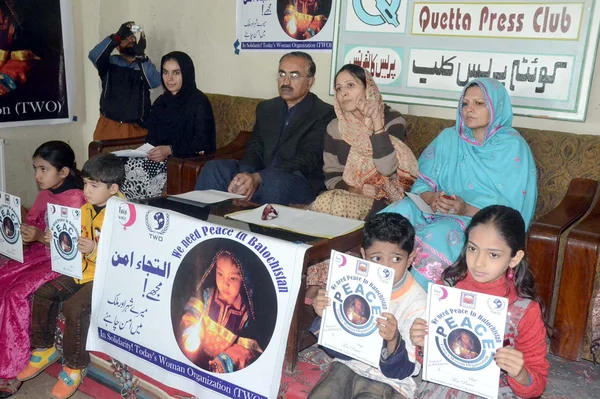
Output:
x,y
68,382
39,361
9,387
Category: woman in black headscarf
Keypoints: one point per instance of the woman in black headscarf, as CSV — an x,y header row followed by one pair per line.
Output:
x,y
181,124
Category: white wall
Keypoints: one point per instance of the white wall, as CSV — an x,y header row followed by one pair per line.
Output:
x,y
205,29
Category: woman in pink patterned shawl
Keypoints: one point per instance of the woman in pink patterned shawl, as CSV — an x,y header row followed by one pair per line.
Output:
x,y
363,150
367,165
59,183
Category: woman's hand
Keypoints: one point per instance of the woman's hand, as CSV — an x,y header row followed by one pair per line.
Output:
x,y
354,190
418,331
459,205
431,198
321,302
369,190
443,203
454,205
512,361
160,153
370,110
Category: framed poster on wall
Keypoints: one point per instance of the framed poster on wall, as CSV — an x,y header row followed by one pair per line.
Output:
x,y
37,62
423,52
284,25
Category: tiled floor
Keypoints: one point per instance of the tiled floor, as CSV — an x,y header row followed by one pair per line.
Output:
x,y
40,387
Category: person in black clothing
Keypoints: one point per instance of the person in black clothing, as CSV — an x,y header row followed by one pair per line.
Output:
x,y
283,162
126,82
181,124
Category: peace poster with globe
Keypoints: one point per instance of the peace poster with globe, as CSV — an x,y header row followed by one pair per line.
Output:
x,y
360,291
65,228
465,330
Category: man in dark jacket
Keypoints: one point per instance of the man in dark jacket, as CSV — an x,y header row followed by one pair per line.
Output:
x,y
126,82
283,162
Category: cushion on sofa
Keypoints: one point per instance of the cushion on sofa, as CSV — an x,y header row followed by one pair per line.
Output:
x,y
232,115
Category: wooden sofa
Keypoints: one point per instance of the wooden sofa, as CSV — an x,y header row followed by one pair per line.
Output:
x,y
563,241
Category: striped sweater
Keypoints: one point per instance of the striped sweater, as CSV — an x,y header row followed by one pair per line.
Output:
x,y
336,150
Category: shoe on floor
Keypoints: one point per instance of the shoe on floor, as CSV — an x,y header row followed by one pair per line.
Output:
x,y
39,361
9,387
68,382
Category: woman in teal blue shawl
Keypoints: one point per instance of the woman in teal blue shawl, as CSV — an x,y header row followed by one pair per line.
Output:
x,y
481,161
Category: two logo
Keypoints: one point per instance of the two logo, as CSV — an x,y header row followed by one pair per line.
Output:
x,y
157,222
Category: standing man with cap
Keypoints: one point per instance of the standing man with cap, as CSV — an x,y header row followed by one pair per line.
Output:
x,y
126,82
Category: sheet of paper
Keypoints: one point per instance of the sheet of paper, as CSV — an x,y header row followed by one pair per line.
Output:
x,y
140,152
145,147
360,292
65,225
206,196
422,205
301,221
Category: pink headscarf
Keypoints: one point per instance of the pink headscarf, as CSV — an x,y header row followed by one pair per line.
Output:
x,y
360,169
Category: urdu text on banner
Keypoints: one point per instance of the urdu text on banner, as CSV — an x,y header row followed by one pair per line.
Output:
x,y
285,24
37,69
203,308
423,52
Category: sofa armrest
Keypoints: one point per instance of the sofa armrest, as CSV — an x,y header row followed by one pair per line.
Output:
x,y
183,173
100,146
544,236
581,259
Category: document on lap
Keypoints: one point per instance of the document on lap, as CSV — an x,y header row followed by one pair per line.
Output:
x,y
140,152
204,197
301,221
422,205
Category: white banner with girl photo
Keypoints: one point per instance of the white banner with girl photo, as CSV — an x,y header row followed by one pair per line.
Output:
x,y
200,307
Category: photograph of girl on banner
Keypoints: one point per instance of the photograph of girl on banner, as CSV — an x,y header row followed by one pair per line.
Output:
x,y
303,19
220,329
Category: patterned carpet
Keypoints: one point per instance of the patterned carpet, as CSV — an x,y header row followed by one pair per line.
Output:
x,y
566,379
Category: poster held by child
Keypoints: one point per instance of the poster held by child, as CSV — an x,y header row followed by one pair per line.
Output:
x,y
466,330
64,229
11,236
360,292
388,240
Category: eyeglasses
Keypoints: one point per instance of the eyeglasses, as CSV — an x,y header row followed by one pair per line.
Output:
x,y
292,75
